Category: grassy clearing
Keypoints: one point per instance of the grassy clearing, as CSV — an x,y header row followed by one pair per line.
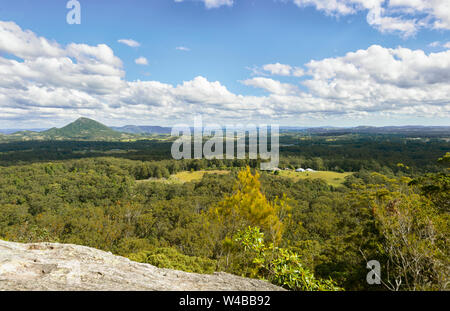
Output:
x,y
332,178
184,177
193,176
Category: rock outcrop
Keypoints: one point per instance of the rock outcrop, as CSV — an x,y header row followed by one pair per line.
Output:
x,y
51,266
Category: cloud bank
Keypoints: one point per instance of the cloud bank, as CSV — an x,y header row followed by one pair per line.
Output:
x,y
46,82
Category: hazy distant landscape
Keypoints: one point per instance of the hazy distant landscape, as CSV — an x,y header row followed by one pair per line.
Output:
x,y
87,129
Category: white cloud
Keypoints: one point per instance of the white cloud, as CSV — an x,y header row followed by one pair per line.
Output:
x,y
59,83
438,44
25,44
377,18
283,70
330,7
278,69
183,48
405,17
381,79
130,42
93,54
272,86
400,16
297,72
79,66
434,44
141,61
213,4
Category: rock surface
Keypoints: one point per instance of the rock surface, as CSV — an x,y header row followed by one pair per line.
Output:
x,y
51,266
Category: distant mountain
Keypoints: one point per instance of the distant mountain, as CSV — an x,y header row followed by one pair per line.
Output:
x,y
81,129
85,129
136,129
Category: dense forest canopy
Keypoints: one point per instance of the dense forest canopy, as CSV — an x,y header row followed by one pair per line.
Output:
x,y
303,234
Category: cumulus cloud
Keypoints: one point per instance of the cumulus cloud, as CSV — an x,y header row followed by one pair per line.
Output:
x,y
183,48
47,81
381,79
77,66
25,44
278,69
141,61
213,4
272,86
399,16
130,42
283,70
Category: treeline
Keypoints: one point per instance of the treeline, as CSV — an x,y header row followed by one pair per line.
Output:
x,y
240,222
373,153
380,154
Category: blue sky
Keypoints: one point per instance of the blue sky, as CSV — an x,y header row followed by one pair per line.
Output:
x,y
220,54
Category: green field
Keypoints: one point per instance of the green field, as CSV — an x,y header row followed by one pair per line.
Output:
x,y
192,176
184,177
332,178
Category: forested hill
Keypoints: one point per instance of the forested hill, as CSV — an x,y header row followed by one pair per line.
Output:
x,y
81,129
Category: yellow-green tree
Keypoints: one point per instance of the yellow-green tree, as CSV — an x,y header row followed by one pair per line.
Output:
x,y
248,206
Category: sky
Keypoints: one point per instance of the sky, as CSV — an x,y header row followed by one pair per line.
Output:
x,y
287,62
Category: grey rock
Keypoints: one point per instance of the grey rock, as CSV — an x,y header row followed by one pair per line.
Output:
x,y
52,266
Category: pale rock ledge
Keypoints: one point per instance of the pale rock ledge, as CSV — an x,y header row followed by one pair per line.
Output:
x,y
52,266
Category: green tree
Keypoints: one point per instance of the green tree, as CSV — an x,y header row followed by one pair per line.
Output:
x,y
280,266
247,205
413,235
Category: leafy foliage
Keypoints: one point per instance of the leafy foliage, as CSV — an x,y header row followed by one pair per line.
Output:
x,y
248,205
279,265
413,235
172,259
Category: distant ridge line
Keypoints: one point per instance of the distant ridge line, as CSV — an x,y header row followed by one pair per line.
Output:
x,y
87,129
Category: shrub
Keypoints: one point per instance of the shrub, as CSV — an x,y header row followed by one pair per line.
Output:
x,y
170,258
278,265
